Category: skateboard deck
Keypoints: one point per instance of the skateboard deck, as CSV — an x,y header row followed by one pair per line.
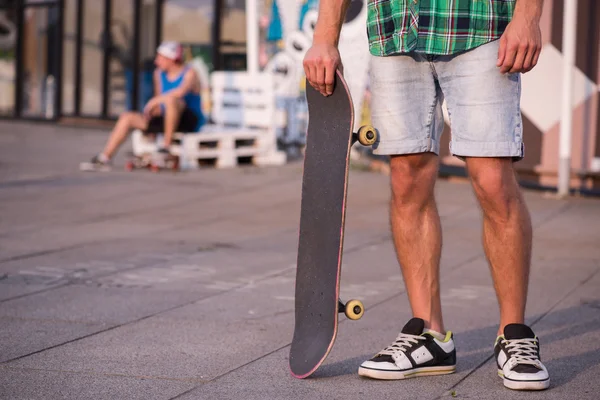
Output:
x,y
324,187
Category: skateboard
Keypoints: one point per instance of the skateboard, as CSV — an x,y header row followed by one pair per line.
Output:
x,y
153,161
324,188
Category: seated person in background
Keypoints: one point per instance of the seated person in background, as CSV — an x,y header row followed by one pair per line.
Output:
x,y
176,106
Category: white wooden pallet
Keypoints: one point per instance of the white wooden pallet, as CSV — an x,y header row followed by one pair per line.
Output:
x,y
227,148
243,126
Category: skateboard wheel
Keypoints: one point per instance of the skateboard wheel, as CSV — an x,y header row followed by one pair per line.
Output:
x,y
129,166
154,168
367,135
354,309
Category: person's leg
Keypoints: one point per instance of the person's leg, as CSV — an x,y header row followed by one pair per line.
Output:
x,y
410,127
417,233
484,108
173,109
126,122
506,233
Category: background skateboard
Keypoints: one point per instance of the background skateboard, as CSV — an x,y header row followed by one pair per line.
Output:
x,y
153,161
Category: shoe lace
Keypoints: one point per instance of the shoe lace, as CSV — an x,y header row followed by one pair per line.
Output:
x,y
523,351
401,344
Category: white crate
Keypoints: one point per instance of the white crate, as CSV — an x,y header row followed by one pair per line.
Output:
x,y
243,125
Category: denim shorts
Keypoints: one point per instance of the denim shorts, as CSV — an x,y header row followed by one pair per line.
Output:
x,y
483,104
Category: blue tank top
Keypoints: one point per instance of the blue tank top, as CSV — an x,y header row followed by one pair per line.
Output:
x,y
193,101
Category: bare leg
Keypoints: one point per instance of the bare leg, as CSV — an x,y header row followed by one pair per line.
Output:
x,y
417,233
173,110
507,233
126,122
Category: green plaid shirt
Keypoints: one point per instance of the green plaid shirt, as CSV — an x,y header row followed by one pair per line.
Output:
x,y
435,26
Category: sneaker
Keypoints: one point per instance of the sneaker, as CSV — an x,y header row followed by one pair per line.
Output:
x,y
517,354
96,164
415,352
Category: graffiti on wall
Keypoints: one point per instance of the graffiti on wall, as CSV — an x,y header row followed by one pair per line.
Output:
x,y
296,21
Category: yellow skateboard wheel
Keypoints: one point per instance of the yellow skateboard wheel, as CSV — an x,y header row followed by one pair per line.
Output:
x,y
354,309
367,135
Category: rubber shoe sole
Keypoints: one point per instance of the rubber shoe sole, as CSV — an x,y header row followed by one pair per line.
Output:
x,y
524,385
394,375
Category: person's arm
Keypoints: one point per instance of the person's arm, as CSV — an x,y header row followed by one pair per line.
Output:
x,y
329,23
323,58
521,43
150,108
156,78
188,84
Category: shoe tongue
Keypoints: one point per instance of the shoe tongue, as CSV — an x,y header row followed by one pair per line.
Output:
x,y
414,327
518,331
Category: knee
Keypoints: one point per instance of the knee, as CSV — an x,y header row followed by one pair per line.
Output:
x,y
495,186
413,178
126,117
172,102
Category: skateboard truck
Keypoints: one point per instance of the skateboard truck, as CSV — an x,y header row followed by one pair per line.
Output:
x,y
354,309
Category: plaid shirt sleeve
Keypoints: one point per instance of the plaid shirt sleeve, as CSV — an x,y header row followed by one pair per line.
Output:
x,y
438,27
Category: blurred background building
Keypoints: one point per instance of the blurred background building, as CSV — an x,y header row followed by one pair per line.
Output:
x,y
93,58
82,60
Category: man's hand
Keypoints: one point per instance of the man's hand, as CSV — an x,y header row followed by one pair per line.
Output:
x,y
520,45
320,64
323,58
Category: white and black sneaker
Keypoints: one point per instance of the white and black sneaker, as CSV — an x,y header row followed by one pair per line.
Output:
x,y
415,352
517,354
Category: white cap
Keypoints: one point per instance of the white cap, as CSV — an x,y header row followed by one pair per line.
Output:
x,y
170,50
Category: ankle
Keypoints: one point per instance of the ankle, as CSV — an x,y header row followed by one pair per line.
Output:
x,y
508,322
434,325
441,336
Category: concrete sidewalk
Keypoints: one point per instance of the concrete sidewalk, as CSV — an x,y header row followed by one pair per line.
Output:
x,y
159,286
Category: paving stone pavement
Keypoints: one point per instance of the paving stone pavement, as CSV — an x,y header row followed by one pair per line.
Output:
x,y
134,285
